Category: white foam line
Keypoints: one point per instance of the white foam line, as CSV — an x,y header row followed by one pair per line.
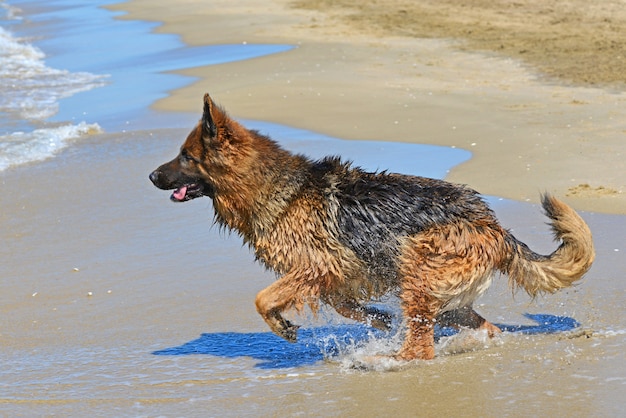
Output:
x,y
24,147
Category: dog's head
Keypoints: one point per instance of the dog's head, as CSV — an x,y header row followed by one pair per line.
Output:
x,y
191,173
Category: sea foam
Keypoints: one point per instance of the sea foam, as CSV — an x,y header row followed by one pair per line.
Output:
x,y
30,91
28,88
22,147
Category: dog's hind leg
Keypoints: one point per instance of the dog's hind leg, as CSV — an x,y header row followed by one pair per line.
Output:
x,y
421,270
469,318
420,310
424,295
369,315
446,266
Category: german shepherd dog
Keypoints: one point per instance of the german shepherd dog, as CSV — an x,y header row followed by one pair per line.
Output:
x,y
339,235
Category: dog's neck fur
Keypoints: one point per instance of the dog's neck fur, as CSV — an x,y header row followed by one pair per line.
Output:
x,y
265,187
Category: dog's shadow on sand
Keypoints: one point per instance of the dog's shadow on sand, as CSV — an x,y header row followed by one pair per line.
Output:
x,y
316,344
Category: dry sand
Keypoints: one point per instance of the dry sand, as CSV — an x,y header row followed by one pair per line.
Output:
x,y
533,91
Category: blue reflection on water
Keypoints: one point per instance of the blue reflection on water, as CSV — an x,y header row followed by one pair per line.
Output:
x,y
81,36
399,157
138,78
316,344
545,324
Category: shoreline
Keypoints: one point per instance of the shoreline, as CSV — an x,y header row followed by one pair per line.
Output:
x,y
526,136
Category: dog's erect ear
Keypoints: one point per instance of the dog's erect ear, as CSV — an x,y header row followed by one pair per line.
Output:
x,y
208,124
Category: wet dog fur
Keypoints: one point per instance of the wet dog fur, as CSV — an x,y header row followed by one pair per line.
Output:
x,y
339,235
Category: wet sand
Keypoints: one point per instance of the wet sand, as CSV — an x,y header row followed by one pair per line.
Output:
x,y
117,302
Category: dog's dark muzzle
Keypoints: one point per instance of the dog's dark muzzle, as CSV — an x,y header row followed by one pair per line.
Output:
x,y
169,176
157,178
184,188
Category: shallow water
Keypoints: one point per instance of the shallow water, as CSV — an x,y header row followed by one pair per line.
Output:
x,y
136,306
55,85
117,302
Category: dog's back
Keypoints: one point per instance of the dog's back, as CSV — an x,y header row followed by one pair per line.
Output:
x,y
371,213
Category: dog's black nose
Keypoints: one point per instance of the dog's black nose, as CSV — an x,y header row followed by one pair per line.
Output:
x,y
154,176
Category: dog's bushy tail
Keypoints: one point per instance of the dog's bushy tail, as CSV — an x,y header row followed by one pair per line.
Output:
x,y
539,274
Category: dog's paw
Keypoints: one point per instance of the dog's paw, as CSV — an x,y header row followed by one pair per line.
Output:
x,y
492,330
289,331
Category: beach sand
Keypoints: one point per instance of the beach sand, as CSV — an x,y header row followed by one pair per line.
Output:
x,y
352,76
117,302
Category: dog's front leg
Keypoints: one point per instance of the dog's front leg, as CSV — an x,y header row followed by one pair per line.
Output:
x,y
272,301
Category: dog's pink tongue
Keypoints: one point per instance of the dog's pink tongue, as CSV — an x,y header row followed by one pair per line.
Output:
x,y
179,194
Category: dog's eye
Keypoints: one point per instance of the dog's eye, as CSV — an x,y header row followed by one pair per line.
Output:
x,y
186,156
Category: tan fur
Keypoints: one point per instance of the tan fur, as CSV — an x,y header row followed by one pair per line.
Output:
x,y
314,222
565,265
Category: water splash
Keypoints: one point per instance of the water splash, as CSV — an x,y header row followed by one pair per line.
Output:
x,y
351,346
